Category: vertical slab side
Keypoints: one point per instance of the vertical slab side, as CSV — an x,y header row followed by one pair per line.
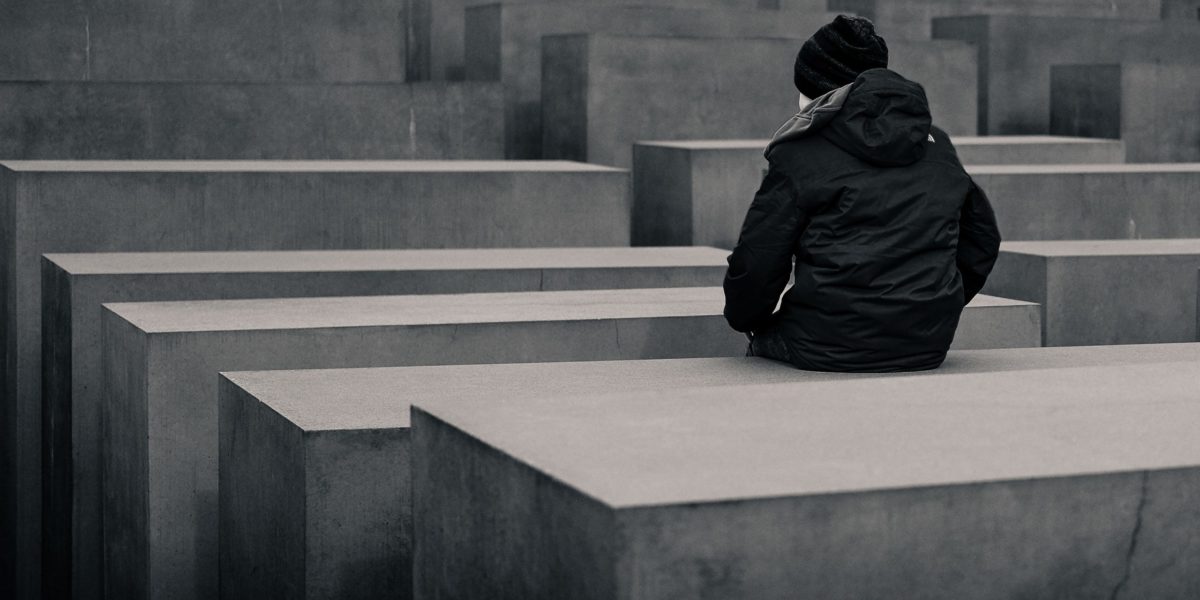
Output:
x,y
262,496
468,500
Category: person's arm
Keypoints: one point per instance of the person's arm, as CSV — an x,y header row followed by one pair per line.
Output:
x,y
978,241
761,263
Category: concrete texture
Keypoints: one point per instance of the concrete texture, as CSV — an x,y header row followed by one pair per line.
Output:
x,y
1104,292
1065,483
438,29
180,346
911,19
50,207
191,40
367,412
1016,53
1081,202
75,285
602,93
698,191
182,120
1152,107
504,43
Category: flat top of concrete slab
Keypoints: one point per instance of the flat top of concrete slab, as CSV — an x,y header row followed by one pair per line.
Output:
x,y
1069,169
982,140
303,166
1084,248
387,260
368,311
780,440
379,398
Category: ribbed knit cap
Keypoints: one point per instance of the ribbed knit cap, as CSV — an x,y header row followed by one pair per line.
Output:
x,y
837,53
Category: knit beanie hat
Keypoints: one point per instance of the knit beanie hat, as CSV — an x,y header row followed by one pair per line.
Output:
x,y
836,54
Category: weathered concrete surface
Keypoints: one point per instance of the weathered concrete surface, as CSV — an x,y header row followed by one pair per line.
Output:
x,y
1065,483
697,191
193,40
1016,52
173,120
602,93
503,43
911,19
1181,9
367,412
141,206
180,346
438,29
75,285
1151,106
1104,292
1064,202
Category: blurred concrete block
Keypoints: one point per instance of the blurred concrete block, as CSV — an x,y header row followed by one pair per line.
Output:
x,y
180,120
602,93
186,206
1016,53
1093,202
1105,292
75,285
1153,107
698,191
188,40
160,383
911,19
1031,480
437,29
503,43
359,418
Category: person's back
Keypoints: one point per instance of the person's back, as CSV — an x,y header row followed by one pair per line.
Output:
x,y
890,236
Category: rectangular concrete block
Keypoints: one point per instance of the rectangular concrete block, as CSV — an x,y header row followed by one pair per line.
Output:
x,y
437,28
187,206
602,93
1105,292
698,191
264,412
1037,482
1152,107
1016,53
503,43
133,40
182,345
182,120
1093,202
75,285
911,19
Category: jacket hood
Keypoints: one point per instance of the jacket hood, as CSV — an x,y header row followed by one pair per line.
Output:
x,y
881,118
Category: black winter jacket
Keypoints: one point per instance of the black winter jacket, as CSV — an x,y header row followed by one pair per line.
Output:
x,y
890,236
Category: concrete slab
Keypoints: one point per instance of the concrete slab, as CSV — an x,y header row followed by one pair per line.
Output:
x,y
359,419
1087,202
182,120
602,93
1032,481
1016,52
160,384
1150,106
437,30
911,19
1104,292
503,43
697,191
75,285
144,206
188,40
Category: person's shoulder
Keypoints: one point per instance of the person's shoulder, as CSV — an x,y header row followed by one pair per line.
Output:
x,y
801,155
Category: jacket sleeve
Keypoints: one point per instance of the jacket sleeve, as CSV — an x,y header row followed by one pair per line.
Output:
x,y
761,263
978,241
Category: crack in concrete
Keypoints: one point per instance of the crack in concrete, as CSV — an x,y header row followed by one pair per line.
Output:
x,y
1133,538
